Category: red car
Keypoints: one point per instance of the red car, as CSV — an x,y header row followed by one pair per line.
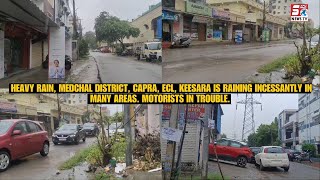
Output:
x,y
231,150
20,138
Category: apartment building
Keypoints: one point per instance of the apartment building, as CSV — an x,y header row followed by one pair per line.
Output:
x,y
24,33
288,132
281,7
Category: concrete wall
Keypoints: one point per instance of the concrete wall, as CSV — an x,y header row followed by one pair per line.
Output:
x,y
145,34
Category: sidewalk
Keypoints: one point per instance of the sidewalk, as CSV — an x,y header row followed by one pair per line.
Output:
x,y
82,71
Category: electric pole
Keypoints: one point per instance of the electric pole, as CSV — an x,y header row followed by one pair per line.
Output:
x,y
248,119
264,15
171,145
75,31
205,142
127,128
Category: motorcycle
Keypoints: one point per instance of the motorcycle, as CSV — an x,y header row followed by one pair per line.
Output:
x,y
181,41
303,156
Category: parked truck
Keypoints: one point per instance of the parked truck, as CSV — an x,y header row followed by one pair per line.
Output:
x,y
151,51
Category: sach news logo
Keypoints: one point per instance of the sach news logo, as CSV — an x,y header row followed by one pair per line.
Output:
x,y
299,12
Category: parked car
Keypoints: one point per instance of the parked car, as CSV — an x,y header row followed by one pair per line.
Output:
x,y
69,133
272,156
105,50
255,151
231,150
20,138
314,41
291,154
68,63
91,129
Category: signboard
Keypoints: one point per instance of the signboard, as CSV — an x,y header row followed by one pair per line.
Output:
x,y
8,107
198,9
238,36
266,35
195,111
211,124
223,15
217,35
171,134
57,51
169,16
299,12
2,71
199,19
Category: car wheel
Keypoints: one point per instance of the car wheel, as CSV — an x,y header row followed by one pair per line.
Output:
x,y
76,141
286,169
84,139
5,160
261,166
45,149
160,59
242,161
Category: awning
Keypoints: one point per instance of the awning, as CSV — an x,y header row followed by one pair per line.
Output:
x,y
26,12
8,107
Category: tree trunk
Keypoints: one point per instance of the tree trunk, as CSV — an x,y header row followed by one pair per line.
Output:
x,y
305,66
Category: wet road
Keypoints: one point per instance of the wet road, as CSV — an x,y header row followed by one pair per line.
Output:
x,y
296,171
36,167
115,69
220,63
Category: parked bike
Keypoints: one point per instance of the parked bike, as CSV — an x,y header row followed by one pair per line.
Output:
x,y
303,156
181,41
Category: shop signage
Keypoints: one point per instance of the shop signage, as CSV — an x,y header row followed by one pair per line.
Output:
x,y
199,19
170,16
198,9
217,35
238,36
8,107
57,51
219,14
195,111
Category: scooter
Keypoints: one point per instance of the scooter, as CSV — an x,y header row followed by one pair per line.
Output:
x,y
178,40
303,156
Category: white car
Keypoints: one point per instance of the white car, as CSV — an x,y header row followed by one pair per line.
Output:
x,y
272,156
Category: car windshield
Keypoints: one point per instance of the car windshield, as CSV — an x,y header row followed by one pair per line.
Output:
x,y
275,150
154,46
68,127
4,126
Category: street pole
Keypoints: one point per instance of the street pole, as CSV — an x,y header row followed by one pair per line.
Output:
x,y
171,145
75,32
178,167
206,141
127,128
264,15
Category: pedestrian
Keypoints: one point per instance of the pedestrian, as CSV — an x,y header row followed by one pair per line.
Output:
x,y
56,71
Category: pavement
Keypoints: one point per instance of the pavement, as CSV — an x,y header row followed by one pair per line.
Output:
x,y
36,167
82,71
119,69
213,63
296,171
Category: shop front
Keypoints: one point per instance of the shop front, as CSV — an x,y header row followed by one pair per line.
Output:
x,y
220,25
195,21
170,25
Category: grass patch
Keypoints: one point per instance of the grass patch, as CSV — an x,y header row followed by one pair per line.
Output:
x,y
211,176
275,65
75,160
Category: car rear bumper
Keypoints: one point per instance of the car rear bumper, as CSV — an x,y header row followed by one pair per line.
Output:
x,y
275,163
61,140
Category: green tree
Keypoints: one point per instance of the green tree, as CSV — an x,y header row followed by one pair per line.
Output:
x,y
309,147
90,37
111,29
252,140
83,48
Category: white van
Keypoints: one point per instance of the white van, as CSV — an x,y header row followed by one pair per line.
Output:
x,y
149,50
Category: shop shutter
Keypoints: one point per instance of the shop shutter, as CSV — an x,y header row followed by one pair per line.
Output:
x,y
36,54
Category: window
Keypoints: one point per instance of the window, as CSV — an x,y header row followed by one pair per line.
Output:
x,y
33,127
274,12
284,12
69,101
235,144
278,12
22,127
73,96
285,7
223,142
278,7
279,2
286,1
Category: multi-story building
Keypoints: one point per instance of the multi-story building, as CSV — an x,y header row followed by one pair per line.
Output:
x,y
147,120
24,33
149,24
281,7
288,128
309,118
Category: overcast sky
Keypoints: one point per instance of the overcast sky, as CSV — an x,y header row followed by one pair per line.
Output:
x,y
272,105
124,9
314,12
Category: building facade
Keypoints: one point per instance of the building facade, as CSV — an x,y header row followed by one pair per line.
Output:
x,y
24,32
218,20
147,119
281,7
288,132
